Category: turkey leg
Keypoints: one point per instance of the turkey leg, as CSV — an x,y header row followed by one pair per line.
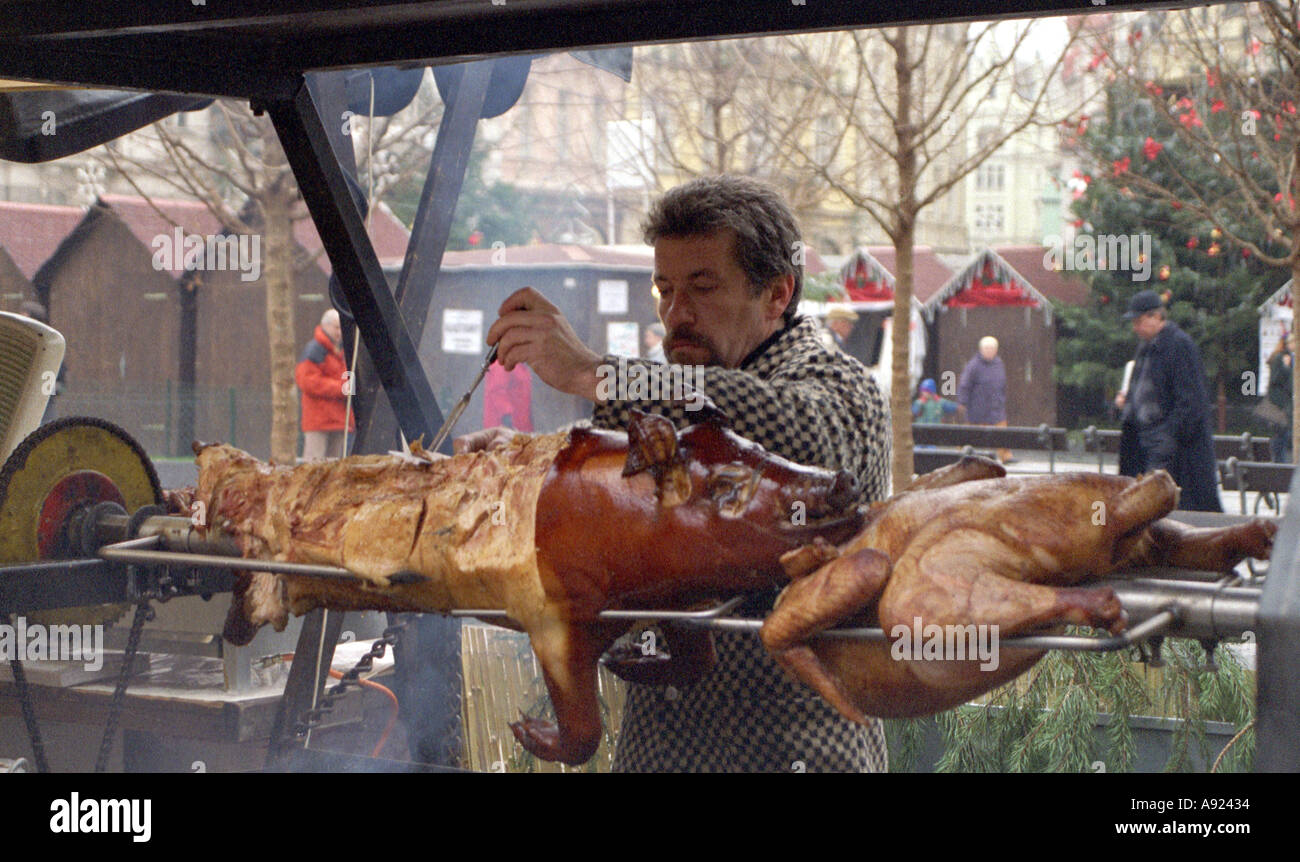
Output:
x,y
835,593
1215,549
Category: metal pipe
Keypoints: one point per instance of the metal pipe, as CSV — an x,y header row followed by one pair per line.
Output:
x,y
1206,611
130,552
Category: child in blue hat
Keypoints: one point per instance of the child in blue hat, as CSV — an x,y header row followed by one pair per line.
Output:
x,y
929,408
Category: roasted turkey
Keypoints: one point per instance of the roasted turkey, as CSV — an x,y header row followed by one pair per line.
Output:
x,y
968,546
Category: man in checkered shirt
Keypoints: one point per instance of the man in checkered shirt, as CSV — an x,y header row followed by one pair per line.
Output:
x,y
728,267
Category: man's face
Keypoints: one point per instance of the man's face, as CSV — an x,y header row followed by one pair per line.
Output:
x,y
706,303
1147,326
332,328
989,351
842,327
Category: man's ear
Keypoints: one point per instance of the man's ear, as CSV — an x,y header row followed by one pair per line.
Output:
x,y
779,290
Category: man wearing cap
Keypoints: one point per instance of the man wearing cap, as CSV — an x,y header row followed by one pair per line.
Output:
x,y
839,322
1166,419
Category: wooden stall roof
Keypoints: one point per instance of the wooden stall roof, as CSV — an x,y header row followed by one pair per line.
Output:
x,y
33,233
1062,288
255,49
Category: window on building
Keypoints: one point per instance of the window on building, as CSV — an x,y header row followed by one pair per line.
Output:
x,y
988,218
990,178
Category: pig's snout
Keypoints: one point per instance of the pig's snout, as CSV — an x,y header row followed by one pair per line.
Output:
x,y
827,498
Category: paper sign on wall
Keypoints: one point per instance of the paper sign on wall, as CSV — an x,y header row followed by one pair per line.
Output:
x,y
621,338
611,297
462,331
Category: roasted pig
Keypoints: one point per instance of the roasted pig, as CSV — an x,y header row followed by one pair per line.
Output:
x,y
552,529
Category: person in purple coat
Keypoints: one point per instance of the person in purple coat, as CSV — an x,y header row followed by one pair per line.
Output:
x,y
982,390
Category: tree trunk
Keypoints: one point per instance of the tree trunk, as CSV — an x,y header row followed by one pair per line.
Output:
x,y
904,235
277,271
1295,366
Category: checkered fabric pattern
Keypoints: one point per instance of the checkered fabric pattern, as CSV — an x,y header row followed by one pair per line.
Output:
x,y
814,406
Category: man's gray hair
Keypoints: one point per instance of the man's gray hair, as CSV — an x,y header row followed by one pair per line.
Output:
x,y
767,237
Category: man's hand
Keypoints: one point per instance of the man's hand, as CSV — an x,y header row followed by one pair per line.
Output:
x,y
482,441
1120,400
531,330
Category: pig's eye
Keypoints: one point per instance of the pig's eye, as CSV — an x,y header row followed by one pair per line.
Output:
x,y
728,476
732,486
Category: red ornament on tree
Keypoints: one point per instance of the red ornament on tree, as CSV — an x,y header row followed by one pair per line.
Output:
x,y
1119,166
1151,148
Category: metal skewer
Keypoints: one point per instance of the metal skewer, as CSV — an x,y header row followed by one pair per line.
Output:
x,y
456,411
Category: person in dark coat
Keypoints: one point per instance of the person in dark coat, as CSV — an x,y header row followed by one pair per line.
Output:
x,y
1166,424
1279,393
982,390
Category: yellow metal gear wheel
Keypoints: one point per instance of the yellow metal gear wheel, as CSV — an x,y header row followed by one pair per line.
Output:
x,y
49,456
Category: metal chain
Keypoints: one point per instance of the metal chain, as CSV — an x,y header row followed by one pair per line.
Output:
x,y
312,718
143,613
29,711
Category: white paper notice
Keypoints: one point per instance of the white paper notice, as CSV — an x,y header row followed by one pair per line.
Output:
x,y
621,338
611,297
462,331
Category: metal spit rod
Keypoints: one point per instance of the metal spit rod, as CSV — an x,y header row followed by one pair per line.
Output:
x,y
1193,609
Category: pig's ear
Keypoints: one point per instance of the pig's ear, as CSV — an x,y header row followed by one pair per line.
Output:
x,y
651,443
712,414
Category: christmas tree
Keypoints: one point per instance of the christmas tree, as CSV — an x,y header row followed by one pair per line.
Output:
x,y
1212,287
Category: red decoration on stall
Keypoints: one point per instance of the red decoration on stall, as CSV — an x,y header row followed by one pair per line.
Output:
x,y
867,283
991,286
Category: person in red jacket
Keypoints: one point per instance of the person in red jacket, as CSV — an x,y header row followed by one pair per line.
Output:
x,y
320,376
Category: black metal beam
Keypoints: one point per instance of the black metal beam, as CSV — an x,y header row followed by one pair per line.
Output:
x,y
320,632
1277,692
429,233
242,47
397,363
